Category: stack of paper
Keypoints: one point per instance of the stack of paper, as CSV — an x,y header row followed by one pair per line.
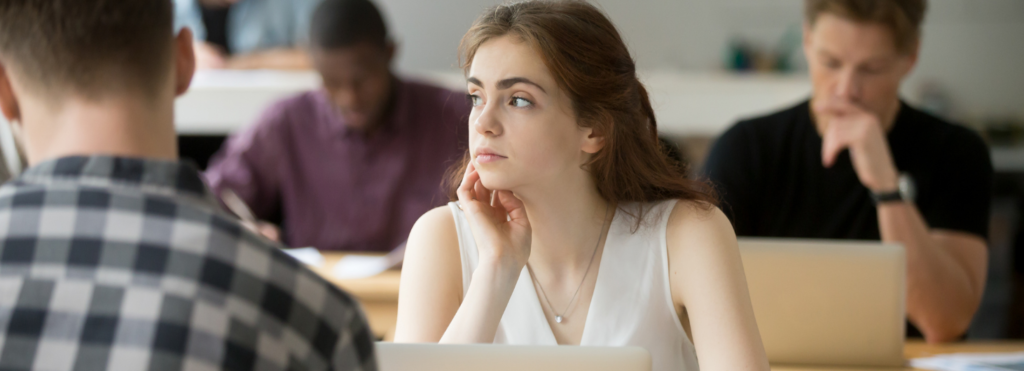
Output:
x,y
307,255
972,362
357,266
351,266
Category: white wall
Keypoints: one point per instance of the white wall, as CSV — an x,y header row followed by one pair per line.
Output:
x,y
974,49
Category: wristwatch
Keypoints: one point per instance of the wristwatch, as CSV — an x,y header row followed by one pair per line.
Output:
x,y
907,191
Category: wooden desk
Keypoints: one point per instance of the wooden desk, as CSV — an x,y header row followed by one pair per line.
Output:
x,y
918,349
379,297
377,294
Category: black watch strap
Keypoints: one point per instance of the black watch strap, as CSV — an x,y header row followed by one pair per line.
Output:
x,y
881,198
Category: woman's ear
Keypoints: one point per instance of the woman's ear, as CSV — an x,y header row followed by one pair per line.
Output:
x,y
593,142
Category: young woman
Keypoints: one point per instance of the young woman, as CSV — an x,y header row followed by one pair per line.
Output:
x,y
571,226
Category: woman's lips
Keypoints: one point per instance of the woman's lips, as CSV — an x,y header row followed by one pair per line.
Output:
x,y
488,158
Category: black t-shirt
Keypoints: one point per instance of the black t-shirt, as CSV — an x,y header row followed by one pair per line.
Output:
x,y
770,176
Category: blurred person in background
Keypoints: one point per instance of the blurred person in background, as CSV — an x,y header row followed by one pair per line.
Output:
x,y
350,166
857,162
248,34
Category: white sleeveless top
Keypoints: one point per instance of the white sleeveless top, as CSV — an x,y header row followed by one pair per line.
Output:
x,y
631,305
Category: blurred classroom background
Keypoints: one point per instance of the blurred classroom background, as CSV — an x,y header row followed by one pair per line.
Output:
x,y
708,63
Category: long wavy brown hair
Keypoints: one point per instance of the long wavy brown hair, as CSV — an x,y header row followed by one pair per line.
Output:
x,y
590,62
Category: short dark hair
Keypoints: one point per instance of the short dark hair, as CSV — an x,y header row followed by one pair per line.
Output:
x,y
902,17
343,23
89,47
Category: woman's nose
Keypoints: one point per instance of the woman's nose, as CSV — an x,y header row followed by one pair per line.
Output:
x,y
487,123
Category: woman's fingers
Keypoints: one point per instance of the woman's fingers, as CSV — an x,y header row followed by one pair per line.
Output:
x,y
469,180
498,209
513,206
473,196
497,205
482,194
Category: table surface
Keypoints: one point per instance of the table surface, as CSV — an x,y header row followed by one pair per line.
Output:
x,y
918,349
382,287
380,295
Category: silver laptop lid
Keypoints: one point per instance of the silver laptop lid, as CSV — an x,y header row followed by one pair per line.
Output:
x,y
828,302
446,357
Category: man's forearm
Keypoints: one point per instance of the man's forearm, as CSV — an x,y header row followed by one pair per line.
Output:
x,y
943,285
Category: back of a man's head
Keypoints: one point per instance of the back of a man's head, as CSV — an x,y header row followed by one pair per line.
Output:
x,y
342,23
90,48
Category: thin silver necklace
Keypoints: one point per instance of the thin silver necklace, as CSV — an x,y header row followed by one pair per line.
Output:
x,y
560,316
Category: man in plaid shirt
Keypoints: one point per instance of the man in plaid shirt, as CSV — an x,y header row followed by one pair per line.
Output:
x,y
114,255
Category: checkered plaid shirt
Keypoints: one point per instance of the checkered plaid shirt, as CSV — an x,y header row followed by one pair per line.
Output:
x,y
128,264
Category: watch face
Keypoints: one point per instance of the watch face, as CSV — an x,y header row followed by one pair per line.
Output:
x,y
908,189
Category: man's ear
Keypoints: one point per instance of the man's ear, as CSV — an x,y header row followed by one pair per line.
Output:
x,y
184,61
912,57
593,142
8,101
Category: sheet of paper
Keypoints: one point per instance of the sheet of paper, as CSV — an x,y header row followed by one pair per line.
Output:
x,y
307,255
359,266
972,362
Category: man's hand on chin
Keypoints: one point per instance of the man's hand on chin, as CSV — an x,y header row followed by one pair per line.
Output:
x,y
850,126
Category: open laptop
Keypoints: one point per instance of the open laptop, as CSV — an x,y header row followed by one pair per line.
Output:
x,y
828,303
446,357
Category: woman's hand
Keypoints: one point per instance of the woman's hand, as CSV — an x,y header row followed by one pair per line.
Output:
x,y
500,227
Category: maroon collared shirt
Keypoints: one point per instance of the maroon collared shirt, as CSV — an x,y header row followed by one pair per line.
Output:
x,y
338,189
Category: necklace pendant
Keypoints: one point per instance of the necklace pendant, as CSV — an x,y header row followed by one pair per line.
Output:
x,y
558,319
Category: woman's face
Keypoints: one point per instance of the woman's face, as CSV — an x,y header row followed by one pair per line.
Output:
x,y
523,130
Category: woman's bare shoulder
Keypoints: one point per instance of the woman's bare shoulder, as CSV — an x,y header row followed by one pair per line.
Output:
x,y
699,232
698,217
435,231
438,217
431,285
432,252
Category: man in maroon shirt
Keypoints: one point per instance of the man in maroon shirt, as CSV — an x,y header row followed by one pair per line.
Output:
x,y
353,165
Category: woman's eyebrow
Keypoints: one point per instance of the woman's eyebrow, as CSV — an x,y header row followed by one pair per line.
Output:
x,y
507,83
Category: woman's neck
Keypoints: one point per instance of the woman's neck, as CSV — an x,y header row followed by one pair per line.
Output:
x,y
568,218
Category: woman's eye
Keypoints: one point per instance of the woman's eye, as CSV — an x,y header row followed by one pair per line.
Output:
x,y
520,102
474,99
